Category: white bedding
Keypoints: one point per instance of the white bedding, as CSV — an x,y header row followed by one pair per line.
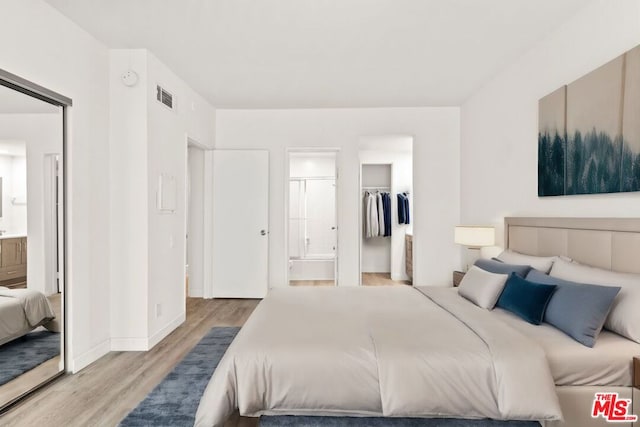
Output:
x,y
21,311
380,351
608,363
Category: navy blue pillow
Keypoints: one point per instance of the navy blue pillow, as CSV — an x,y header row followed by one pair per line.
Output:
x,y
499,267
526,299
577,309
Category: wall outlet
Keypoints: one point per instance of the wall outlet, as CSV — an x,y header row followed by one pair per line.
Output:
x,y
158,310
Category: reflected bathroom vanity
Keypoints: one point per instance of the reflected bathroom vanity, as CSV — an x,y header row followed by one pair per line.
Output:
x,y
13,261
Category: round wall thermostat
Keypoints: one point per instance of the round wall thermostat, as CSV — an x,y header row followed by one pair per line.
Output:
x,y
129,78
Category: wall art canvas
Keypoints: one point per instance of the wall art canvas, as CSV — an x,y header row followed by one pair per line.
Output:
x,y
589,132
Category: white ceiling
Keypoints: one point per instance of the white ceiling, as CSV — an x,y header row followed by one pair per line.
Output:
x,y
14,102
326,53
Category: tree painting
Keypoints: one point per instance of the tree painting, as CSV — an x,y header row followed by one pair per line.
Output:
x,y
589,132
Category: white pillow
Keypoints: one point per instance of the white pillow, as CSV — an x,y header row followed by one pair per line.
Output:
x,y
481,287
624,316
541,263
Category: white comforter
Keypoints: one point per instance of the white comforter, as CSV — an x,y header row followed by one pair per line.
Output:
x,y
379,351
21,311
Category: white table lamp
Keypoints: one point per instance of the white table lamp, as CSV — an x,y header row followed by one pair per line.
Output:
x,y
474,237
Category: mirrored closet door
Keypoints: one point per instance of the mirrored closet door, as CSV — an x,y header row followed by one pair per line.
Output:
x,y
31,246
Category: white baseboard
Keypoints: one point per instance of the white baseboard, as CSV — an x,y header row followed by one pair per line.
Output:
x,y
88,357
162,333
129,344
196,292
147,343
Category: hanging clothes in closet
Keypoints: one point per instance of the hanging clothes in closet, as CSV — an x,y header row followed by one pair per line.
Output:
x,y
386,202
403,208
377,214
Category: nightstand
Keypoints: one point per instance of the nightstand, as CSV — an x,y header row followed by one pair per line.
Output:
x,y
457,278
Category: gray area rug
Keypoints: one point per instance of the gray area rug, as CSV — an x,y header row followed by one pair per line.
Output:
x,y
27,352
174,402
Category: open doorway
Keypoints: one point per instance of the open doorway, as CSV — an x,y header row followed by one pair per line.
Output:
x,y
312,218
386,181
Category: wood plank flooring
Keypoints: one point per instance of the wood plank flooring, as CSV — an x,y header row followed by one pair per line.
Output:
x,y
381,279
103,393
368,279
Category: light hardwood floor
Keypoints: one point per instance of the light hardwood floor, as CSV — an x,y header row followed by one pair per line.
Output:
x,y
381,279
103,393
368,279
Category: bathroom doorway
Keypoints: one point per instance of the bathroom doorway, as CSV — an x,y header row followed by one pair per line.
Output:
x,y
312,218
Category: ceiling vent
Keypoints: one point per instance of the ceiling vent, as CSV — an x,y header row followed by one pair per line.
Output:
x,y
164,96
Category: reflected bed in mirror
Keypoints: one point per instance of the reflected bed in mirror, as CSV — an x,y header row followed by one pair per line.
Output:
x,y
31,298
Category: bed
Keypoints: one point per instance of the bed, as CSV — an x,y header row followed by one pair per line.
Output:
x,y
21,311
427,352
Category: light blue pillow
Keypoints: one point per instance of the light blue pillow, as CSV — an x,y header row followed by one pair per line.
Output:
x,y
499,267
577,309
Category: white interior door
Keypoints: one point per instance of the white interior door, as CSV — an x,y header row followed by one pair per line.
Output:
x,y
240,223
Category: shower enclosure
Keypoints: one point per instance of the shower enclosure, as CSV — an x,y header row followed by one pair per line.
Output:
x,y
312,219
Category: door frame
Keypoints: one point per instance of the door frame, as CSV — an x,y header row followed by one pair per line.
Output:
x,y
206,227
286,168
53,183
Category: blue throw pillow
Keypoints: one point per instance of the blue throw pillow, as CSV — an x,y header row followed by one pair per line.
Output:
x,y
526,299
499,267
577,309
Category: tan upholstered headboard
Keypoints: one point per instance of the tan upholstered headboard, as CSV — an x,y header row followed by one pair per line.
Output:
x,y
610,243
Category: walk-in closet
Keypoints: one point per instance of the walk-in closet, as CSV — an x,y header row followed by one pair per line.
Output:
x,y
386,178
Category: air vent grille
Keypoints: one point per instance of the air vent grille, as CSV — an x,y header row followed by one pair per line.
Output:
x,y
164,96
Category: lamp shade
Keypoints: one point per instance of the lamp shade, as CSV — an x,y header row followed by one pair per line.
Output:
x,y
475,236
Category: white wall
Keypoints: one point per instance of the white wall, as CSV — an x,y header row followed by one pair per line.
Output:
x,y
436,179
168,130
18,190
313,165
129,205
48,49
499,124
148,251
13,170
401,181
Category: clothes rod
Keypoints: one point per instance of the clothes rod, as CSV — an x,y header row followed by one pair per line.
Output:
x,y
376,188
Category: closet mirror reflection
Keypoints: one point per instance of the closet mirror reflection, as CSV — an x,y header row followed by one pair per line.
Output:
x,y
31,299
312,224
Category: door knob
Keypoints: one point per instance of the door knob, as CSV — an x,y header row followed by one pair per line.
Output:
x,y
263,232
